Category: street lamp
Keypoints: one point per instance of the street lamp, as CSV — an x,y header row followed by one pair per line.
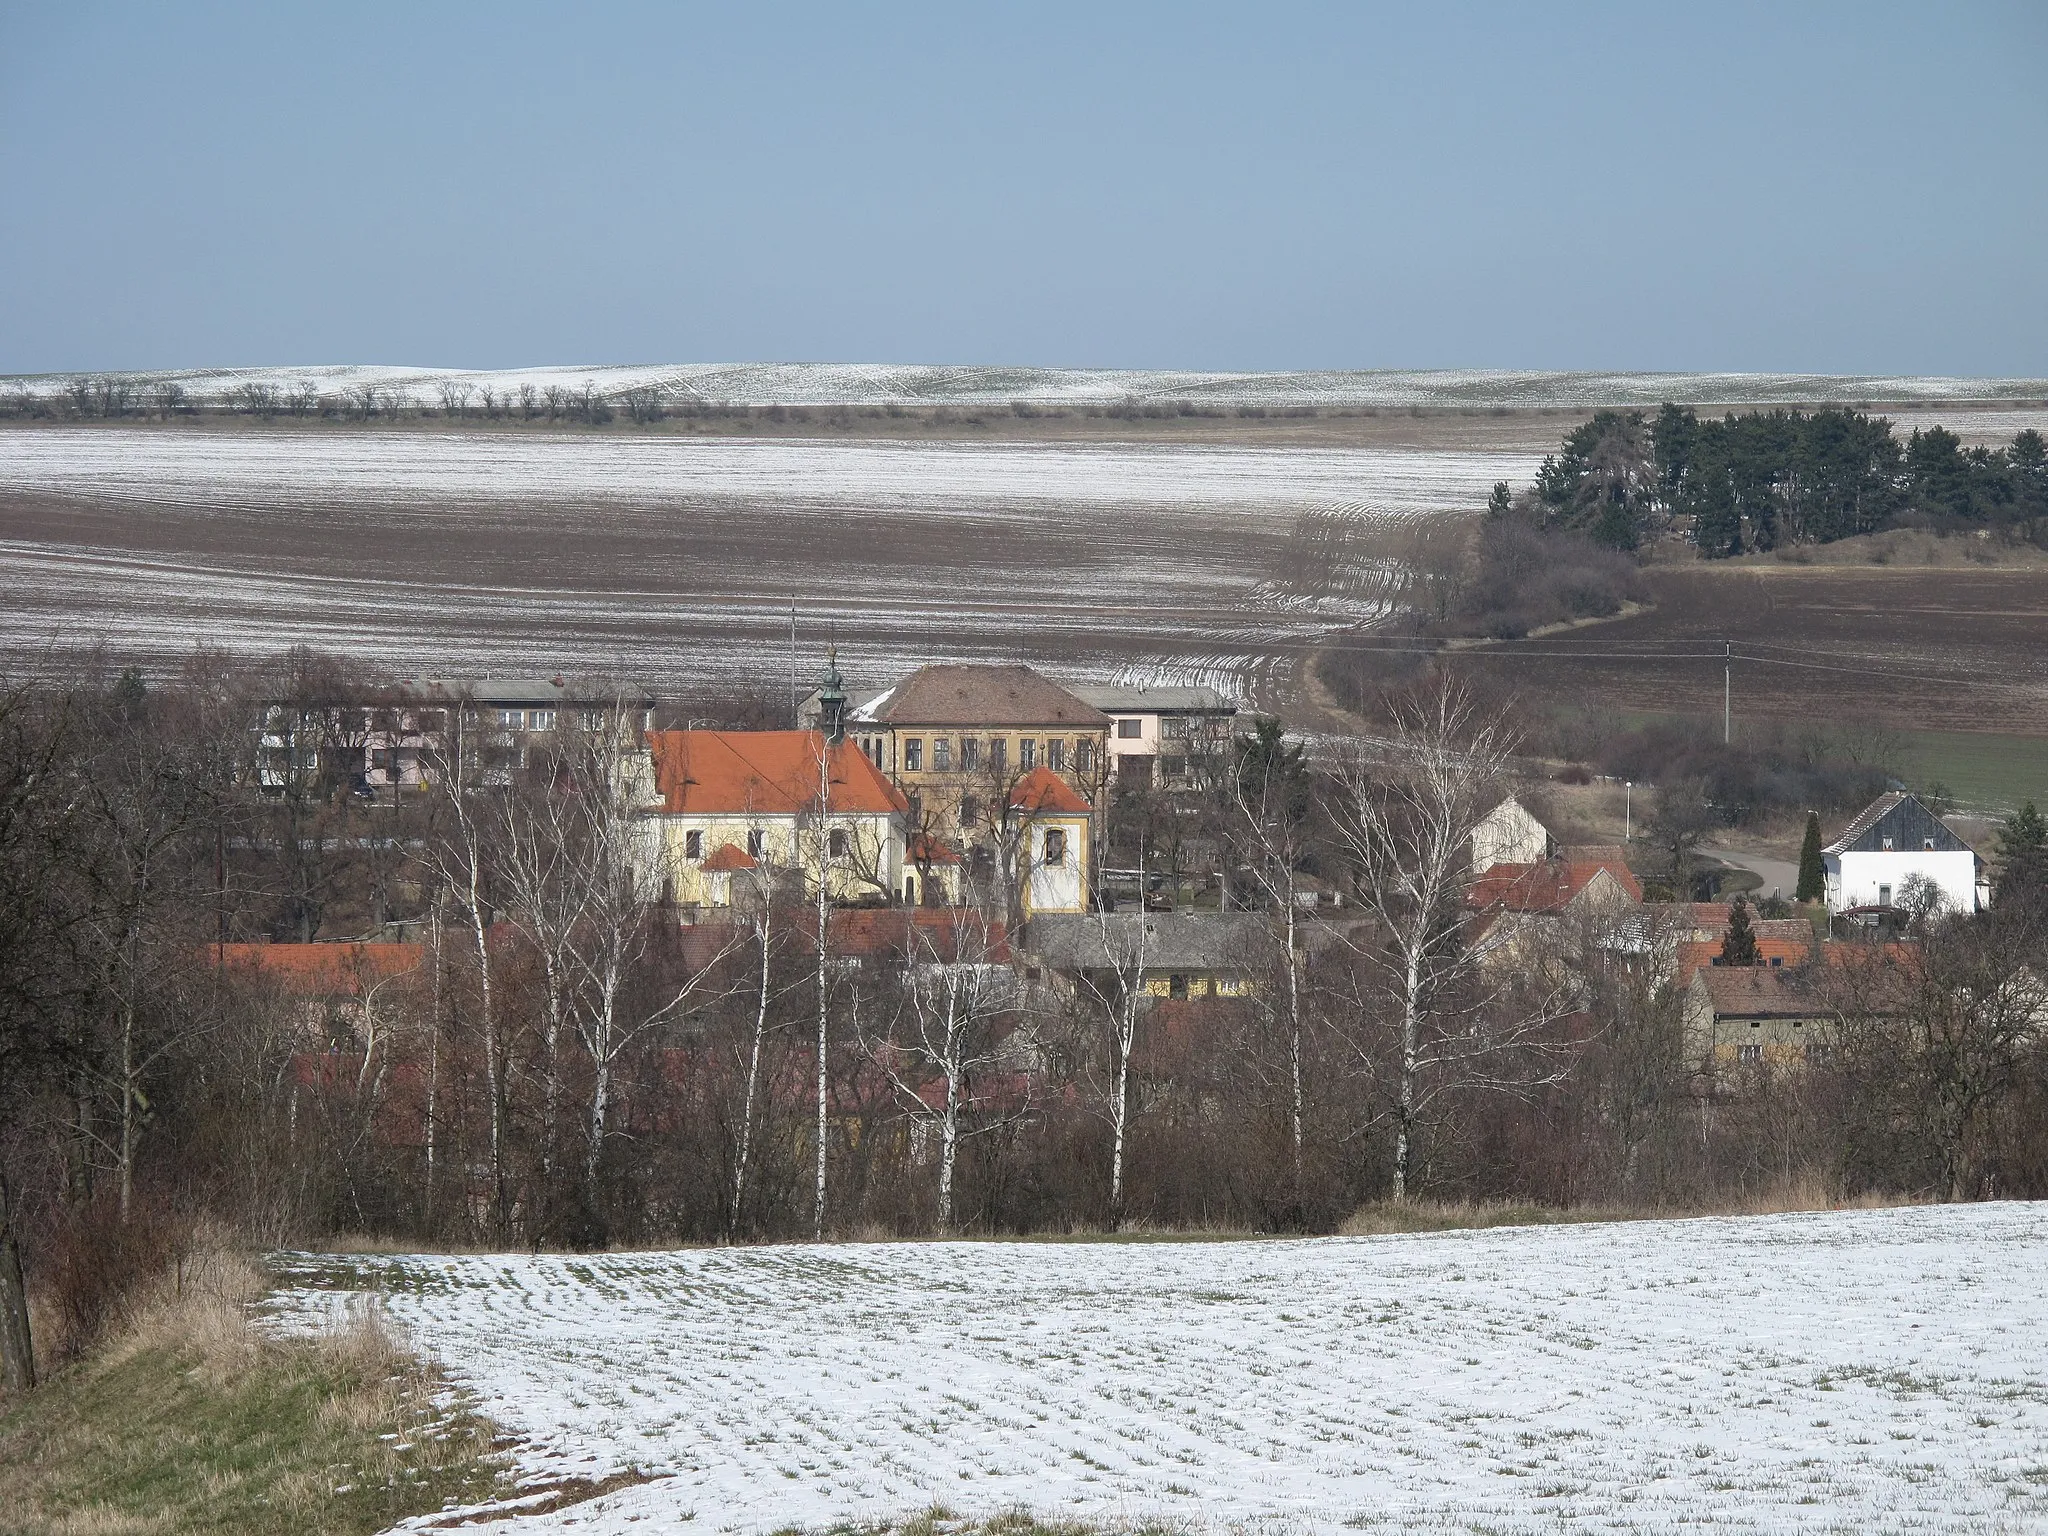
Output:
x,y
1628,810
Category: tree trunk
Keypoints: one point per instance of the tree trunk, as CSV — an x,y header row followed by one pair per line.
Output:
x,y
17,1348
1294,1037
1411,1029
949,1124
494,1071
818,1193
739,1175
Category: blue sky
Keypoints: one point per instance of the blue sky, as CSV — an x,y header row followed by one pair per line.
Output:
x,y
1812,187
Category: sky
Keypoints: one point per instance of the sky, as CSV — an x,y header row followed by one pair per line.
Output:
x,y
1822,187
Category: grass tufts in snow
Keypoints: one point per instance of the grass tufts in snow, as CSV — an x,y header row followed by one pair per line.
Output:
x,y
186,1420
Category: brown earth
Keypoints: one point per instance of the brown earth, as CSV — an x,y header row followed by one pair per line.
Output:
x,y
1953,649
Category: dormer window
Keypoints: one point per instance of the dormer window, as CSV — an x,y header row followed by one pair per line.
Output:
x,y
1887,845
1927,845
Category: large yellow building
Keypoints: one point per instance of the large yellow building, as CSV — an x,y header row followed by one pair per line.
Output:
x,y
738,814
957,740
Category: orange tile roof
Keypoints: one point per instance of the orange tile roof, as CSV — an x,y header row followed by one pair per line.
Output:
x,y
1043,790
764,773
321,970
1549,886
725,858
1694,955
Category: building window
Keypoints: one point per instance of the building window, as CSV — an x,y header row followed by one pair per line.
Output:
x,y
942,754
1884,895
1084,756
1055,846
1027,754
1887,845
835,842
970,754
970,811
757,843
511,717
1173,727
999,754
541,719
1749,1055
1056,755
1818,1052
693,845
1927,845
1177,986
1173,767
1129,730
913,755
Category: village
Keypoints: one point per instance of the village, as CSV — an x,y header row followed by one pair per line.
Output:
x,y
974,901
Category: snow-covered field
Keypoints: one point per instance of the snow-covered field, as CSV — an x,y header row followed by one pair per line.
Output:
x,y
1853,1371
881,384
676,559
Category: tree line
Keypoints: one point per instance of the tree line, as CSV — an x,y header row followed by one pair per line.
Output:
x,y
551,1057
1768,479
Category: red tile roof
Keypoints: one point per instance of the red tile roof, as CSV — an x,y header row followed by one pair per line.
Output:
x,y
1549,886
725,858
1043,790
1695,955
764,773
321,970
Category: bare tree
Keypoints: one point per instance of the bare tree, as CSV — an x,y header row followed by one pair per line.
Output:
x,y
956,996
1403,820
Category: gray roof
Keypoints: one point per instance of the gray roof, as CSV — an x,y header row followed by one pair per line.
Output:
x,y
1119,699
510,692
1900,817
1172,941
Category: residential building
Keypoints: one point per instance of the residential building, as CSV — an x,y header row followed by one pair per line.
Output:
x,y
1895,841
1593,877
399,737
1173,737
735,814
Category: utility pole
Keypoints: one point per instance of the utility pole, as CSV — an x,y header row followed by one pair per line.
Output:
x,y
1727,688
794,722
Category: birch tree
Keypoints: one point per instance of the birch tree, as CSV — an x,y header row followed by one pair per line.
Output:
x,y
1403,817
956,996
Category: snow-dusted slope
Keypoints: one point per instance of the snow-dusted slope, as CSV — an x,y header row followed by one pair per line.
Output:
x,y
1854,1371
881,384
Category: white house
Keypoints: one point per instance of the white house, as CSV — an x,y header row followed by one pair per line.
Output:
x,y
1893,841
1508,834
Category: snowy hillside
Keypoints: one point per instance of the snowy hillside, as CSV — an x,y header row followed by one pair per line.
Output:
x,y
883,384
1851,1371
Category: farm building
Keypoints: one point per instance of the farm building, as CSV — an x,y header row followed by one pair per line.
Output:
x,y
1893,842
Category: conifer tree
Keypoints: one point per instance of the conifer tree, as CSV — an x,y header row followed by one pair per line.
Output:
x,y
2023,857
1813,873
1738,944
1502,501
